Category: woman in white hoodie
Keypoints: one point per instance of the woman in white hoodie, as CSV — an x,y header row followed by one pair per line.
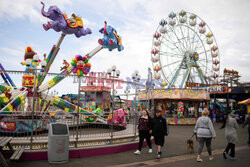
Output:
x,y
204,131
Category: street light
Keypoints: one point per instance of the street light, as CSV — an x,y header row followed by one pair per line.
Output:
x,y
54,93
35,59
127,92
109,70
136,78
113,67
113,73
28,63
117,73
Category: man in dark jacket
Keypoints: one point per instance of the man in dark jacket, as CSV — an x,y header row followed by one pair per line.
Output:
x,y
159,130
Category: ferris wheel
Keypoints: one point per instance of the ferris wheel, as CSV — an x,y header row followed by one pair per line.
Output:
x,y
184,52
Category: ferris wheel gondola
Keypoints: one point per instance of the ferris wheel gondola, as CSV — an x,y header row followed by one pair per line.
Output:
x,y
184,49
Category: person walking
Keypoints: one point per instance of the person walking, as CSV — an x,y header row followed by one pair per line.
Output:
x,y
144,127
204,132
159,130
247,122
230,124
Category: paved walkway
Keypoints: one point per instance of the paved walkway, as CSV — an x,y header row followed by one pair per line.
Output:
x,y
190,158
174,153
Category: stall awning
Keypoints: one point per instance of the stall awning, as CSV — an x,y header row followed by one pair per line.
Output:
x,y
247,101
176,94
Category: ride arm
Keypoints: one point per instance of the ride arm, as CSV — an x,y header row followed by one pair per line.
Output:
x,y
71,108
50,60
51,83
6,77
15,102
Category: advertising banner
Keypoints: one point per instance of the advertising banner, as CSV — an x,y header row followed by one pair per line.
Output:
x,y
185,94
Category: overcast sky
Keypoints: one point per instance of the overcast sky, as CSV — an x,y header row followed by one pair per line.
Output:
x,y
135,20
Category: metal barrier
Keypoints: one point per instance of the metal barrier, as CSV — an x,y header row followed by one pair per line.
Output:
x,y
29,128
87,131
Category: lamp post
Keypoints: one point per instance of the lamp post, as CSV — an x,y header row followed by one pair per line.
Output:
x,y
113,73
127,92
153,102
136,78
78,111
54,93
28,63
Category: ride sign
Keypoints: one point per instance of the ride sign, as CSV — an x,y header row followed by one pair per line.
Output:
x,y
214,89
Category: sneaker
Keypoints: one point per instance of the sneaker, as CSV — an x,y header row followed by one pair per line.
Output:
x,y
199,160
233,158
137,152
225,155
211,158
150,150
158,156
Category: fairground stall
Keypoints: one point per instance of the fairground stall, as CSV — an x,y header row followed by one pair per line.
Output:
x,y
178,106
96,96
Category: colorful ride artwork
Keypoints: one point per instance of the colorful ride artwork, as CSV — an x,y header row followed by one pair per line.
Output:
x,y
24,125
19,105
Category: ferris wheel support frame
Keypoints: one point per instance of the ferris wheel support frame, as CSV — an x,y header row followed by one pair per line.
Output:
x,y
187,75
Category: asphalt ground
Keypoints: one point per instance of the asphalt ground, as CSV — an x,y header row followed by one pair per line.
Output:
x,y
175,148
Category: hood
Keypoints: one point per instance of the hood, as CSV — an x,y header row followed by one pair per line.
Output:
x,y
204,120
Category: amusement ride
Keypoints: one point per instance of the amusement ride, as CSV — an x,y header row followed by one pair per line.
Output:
x,y
32,101
184,52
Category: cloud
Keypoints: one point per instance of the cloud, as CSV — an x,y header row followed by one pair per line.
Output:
x,y
9,56
13,52
21,9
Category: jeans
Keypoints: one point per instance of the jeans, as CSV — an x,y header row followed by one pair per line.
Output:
x,y
203,140
142,136
230,146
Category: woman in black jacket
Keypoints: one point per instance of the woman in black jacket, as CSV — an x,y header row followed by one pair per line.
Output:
x,y
144,127
159,130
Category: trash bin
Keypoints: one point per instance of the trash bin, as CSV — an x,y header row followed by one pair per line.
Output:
x,y
58,143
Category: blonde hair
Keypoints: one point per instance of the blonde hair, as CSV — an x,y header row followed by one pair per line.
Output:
x,y
205,112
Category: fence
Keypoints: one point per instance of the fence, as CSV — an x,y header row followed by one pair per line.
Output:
x,y
28,122
87,133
